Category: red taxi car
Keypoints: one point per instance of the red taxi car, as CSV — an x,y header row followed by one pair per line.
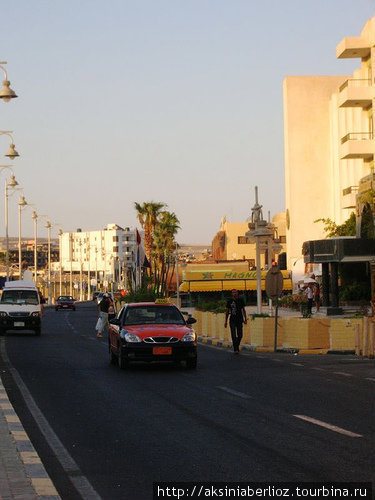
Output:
x,y
152,332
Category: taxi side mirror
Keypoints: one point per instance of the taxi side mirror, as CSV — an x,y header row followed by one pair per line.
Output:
x,y
190,321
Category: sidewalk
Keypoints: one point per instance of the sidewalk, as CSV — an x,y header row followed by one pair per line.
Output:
x,y
22,474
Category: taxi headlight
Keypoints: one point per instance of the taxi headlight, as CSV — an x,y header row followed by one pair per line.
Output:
x,y
3,314
189,337
129,337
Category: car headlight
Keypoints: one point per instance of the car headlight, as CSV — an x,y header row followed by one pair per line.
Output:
x,y
35,314
189,337
3,314
129,337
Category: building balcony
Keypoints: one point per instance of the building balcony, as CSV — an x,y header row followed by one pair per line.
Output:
x,y
349,197
355,46
356,92
357,145
366,184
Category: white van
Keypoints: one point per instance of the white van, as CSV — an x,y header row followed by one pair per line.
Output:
x,y
20,307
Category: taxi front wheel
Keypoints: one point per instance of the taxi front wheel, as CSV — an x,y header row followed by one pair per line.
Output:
x,y
112,357
122,361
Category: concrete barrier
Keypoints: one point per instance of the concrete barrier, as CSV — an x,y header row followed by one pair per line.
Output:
x,y
315,335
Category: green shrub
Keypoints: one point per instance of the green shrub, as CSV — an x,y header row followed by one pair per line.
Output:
x,y
142,295
216,307
355,291
293,301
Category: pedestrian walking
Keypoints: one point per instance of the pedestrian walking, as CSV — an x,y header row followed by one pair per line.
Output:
x,y
310,298
237,313
103,308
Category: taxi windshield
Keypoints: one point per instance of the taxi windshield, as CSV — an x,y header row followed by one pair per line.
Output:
x,y
20,297
153,315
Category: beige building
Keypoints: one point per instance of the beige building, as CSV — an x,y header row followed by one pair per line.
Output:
x,y
230,243
329,143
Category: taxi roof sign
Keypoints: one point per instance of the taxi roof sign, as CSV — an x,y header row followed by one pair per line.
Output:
x,y
162,301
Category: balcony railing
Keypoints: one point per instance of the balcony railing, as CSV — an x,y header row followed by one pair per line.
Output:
x,y
355,82
357,136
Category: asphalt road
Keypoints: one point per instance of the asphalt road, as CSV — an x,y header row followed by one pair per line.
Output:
x,y
236,418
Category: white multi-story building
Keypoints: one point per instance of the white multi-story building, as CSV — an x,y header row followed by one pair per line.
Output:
x,y
104,255
329,144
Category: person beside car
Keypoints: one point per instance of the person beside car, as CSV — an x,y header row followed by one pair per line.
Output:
x,y
103,308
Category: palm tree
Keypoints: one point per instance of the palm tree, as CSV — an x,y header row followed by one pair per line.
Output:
x,y
163,248
147,214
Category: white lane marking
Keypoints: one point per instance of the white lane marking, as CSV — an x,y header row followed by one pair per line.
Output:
x,y
235,393
372,379
328,426
318,369
278,360
297,364
344,374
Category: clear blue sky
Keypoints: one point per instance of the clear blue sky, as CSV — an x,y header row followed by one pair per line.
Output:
x,y
178,101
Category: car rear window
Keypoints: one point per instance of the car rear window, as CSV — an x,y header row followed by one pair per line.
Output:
x,y
154,315
20,297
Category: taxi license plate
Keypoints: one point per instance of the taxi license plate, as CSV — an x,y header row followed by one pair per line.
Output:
x,y
19,323
161,350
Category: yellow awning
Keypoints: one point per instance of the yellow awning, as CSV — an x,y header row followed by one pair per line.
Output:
x,y
205,286
226,285
230,284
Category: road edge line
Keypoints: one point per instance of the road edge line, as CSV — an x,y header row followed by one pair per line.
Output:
x,y
79,481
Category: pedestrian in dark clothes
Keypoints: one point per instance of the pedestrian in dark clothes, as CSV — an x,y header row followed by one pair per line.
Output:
x,y
103,308
237,313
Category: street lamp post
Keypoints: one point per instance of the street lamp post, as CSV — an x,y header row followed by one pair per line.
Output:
x,y
177,278
96,266
80,271
11,184
88,251
34,216
258,233
48,226
60,258
21,204
6,93
12,153
71,264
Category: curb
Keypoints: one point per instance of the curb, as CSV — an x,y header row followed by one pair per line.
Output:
x,y
32,464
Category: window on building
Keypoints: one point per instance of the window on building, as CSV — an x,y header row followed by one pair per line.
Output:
x,y
115,249
115,238
282,239
243,240
128,249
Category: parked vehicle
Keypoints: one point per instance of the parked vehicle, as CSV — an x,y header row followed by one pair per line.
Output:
x,y
65,302
152,332
20,307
